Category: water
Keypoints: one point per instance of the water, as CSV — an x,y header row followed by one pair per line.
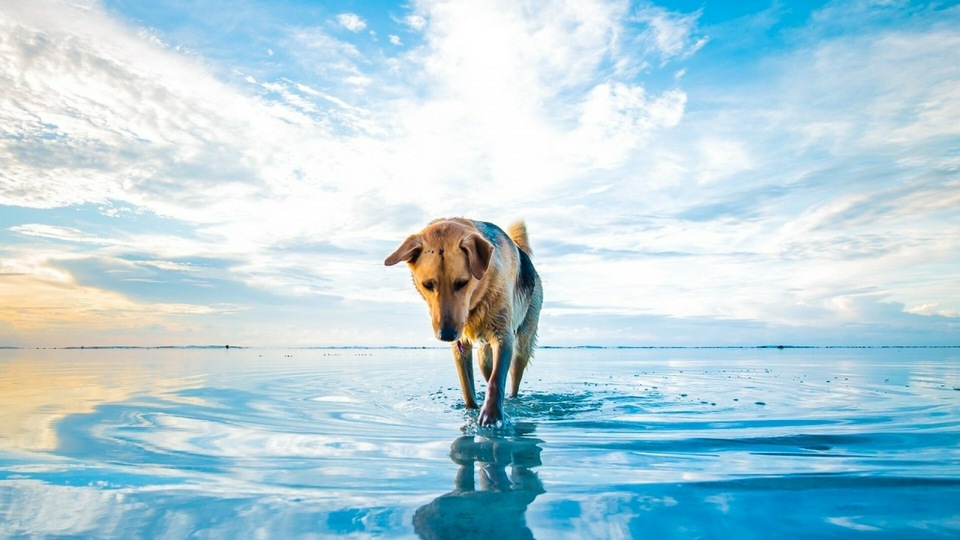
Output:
x,y
666,443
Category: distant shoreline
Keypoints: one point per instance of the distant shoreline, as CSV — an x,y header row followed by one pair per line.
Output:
x,y
544,347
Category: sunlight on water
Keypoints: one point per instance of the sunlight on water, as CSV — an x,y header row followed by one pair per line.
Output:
x,y
662,443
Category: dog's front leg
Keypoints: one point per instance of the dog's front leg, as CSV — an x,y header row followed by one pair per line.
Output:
x,y
492,411
463,357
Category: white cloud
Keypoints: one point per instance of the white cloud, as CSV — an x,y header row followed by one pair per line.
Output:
x,y
417,22
933,308
720,159
494,118
905,90
395,40
160,134
89,120
168,265
615,118
351,21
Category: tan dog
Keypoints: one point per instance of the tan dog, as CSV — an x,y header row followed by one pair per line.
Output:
x,y
481,288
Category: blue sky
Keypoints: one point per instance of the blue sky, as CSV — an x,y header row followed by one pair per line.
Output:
x,y
691,173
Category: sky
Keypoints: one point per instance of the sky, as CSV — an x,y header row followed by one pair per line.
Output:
x,y
179,172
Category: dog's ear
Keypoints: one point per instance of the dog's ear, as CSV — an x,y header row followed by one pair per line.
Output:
x,y
408,251
479,251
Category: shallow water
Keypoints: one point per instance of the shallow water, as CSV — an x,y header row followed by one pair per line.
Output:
x,y
661,443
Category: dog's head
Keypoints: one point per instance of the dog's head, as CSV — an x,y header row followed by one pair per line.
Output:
x,y
448,260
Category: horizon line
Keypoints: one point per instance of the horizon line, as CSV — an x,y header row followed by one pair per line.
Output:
x,y
440,347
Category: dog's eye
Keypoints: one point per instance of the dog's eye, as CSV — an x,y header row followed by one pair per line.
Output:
x,y
429,285
459,284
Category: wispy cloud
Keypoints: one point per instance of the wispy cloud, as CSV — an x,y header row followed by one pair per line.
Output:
x,y
58,233
669,34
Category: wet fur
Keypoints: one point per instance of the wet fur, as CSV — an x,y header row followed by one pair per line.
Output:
x,y
481,287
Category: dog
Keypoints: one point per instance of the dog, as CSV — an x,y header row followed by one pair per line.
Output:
x,y
482,288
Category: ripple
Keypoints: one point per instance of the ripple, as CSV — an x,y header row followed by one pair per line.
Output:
x,y
627,444
335,399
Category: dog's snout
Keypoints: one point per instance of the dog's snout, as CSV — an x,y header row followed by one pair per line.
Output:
x,y
447,333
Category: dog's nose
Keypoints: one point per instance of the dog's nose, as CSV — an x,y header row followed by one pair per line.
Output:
x,y
447,333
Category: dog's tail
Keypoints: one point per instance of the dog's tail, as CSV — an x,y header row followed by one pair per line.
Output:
x,y
518,232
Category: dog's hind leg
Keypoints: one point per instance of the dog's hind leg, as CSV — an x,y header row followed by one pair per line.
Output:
x,y
463,358
486,360
520,360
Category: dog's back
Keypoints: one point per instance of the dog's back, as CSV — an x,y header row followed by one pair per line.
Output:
x,y
526,290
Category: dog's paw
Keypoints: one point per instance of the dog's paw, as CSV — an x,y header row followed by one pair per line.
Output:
x,y
490,416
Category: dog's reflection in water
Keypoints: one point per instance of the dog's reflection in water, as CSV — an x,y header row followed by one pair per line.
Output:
x,y
486,501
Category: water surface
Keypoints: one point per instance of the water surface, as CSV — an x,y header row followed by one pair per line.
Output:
x,y
661,443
